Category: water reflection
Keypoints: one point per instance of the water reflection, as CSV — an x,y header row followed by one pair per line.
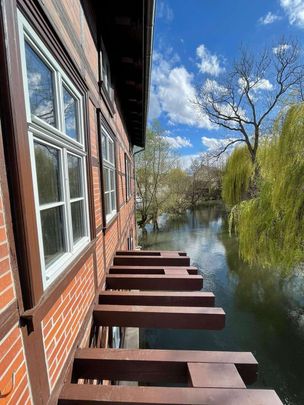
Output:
x,y
265,309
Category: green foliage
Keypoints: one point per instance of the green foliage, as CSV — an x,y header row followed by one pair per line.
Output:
x,y
237,175
271,226
177,182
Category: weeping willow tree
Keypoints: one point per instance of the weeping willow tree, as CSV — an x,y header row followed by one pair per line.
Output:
x,y
237,176
270,227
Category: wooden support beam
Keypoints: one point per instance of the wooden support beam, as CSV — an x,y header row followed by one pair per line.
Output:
x,y
150,253
159,317
149,269
88,394
153,260
211,375
162,298
156,365
154,282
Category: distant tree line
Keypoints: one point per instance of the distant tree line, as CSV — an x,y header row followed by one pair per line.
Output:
x,y
164,186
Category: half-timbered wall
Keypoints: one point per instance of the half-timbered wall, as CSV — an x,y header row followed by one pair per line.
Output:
x,y
41,328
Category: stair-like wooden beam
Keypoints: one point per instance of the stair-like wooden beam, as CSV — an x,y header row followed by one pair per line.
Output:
x,y
167,282
88,394
140,316
162,298
149,269
156,260
211,375
150,253
156,365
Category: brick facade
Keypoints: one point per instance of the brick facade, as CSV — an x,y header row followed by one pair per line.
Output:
x,y
58,320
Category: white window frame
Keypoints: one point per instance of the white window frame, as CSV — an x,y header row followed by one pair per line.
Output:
x,y
109,165
128,177
56,137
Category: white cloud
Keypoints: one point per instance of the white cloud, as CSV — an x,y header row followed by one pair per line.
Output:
x,y
209,63
178,142
294,10
281,48
165,12
215,145
269,18
186,160
262,84
172,92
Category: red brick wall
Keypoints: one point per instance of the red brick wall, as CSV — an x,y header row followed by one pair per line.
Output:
x,y
12,357
7,291
61,324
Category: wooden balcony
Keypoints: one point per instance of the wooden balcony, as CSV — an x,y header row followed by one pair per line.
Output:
x,y
160,290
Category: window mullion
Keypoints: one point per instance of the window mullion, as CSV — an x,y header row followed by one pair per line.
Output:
x,y
59,102
66,191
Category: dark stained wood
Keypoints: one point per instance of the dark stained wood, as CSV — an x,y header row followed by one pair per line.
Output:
x,y
179,271
149,269
212,375
150,253
154,282
174,298
156,365
159,317
114,395
133,260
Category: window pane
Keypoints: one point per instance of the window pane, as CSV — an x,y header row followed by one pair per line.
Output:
x,y
48,173
104,147
75,179
112,173
107,203
52,234
77,220
106,179
113,200
40,86
111,152
70,114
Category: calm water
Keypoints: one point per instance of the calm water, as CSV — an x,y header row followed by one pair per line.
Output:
x,y
265,312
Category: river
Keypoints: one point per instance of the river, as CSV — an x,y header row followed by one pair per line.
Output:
x,y
265,310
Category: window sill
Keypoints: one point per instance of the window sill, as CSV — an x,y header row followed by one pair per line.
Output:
x,y
105,95
109,223
34,315
64,262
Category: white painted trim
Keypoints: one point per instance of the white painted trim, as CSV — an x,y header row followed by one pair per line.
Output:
x,y
55,137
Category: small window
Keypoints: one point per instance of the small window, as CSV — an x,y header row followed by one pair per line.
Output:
x,y
58,155
128,177
109,175
105,73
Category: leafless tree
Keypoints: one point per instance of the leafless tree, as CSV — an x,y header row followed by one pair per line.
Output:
x,y
248,96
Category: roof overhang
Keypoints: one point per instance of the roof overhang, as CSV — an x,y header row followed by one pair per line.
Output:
x,y
126,28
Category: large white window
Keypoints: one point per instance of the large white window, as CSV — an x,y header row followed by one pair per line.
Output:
x,y
54,109
109,175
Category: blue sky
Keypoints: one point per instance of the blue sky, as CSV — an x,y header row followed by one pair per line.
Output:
x,y
198,39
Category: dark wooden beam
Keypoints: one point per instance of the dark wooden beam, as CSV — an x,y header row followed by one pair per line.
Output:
x,y
172,282
152,260
212,375
148,269
150,253
155,365
159,317
173,298
89,394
